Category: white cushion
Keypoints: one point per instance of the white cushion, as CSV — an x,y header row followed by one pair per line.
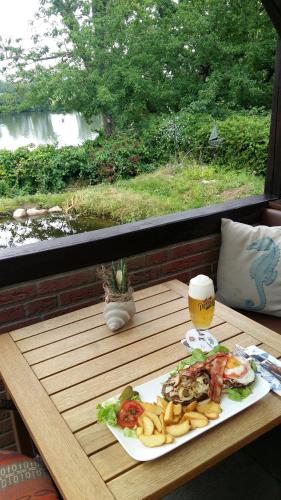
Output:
x,y
249,268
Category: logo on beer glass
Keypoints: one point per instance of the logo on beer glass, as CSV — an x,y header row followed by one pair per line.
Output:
x,y
201,301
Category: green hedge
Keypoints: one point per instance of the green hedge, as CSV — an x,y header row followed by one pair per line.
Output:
x,y
244,139
51,169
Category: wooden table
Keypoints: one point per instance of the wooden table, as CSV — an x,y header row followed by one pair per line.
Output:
x,y
57,370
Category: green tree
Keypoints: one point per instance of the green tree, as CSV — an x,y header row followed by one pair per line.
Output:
x,y
127,59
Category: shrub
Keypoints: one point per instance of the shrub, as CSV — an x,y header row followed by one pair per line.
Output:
x,y
244,139
51,169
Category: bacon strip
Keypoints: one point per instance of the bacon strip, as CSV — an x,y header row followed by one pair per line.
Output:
x,y
215,366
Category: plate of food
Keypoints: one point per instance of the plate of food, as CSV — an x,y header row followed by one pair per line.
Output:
x,y
203,391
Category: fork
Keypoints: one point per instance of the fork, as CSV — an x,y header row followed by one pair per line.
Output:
x,y
264,363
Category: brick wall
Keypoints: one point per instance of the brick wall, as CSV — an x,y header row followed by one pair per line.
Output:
x,y
34,301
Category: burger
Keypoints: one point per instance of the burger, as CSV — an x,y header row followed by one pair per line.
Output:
x,y
187,385
208,378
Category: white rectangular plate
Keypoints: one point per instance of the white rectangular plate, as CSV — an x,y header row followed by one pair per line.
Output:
x,y
150,390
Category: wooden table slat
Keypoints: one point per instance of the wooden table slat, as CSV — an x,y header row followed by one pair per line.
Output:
x,y
100,333
83,325
108,345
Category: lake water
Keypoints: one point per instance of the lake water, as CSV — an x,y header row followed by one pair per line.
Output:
x,y
39,127
14,233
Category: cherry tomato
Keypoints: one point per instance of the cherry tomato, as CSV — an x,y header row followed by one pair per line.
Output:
x,y
128,414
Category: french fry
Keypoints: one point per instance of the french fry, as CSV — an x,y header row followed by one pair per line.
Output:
x,y
197,419
154,418
177,409
139,431
210,409
177,430
190,407
163,425
183,418
169,413
154,440
162,402
140,424
211,415
169,439
154,408
148,426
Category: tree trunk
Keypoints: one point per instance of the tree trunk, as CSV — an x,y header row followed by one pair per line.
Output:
x,y
107,124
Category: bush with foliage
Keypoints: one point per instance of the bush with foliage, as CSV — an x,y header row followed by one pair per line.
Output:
x,y
244,139
51,169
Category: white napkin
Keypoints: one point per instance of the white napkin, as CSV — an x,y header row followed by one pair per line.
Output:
x,y
203,340
275,384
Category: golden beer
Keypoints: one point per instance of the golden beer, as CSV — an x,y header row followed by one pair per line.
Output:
x,y
201,301
201,312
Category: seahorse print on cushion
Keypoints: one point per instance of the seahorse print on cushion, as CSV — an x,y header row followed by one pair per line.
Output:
x,y
263,269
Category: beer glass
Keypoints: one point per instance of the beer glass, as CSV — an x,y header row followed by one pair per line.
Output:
x,y
201,301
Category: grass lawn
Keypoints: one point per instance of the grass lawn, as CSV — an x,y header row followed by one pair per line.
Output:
x,y
169,189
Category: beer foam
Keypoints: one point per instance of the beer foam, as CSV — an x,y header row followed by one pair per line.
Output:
x,y
201,287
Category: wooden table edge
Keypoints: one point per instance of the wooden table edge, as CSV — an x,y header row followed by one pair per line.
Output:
x,y
57,445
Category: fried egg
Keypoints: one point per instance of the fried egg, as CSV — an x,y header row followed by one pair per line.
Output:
x,y
239,369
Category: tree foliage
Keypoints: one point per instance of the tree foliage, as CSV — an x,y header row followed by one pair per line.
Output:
x,y
128,59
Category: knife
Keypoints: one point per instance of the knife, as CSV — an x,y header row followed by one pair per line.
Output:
x,y
271,367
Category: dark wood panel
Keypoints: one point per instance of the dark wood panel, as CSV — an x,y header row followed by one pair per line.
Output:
x,y
73,252
273,174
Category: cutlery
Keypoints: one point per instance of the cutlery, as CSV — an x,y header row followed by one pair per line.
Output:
x,y
265,363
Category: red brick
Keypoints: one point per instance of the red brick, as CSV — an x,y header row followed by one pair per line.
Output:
x,y
73,307
17,294
79,294
212,256
11,314
145,276
195,246
41,305
201,270
156,257
66,281
136,262
180,264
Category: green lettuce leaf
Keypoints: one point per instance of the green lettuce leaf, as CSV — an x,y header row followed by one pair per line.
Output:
x,y
198,355
237,394
107,413
130,433
218,348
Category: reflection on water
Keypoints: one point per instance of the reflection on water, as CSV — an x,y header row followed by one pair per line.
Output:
x,y
22,129
14,233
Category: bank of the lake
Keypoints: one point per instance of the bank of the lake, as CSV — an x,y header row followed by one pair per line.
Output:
x,y
169,189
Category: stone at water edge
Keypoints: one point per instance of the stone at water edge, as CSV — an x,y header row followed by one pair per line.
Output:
x,y
36,211
55,209
19,213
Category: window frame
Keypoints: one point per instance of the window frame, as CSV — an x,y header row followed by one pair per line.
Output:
x,y
65,254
